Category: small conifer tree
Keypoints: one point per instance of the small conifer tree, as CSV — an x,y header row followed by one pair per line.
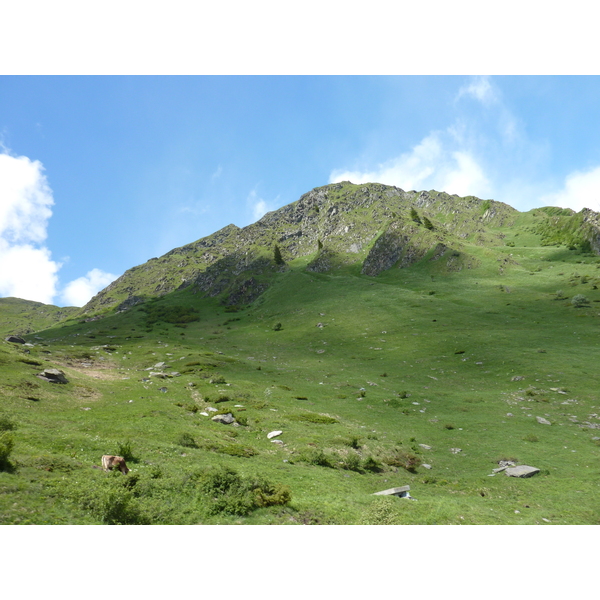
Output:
x,y
427,223
277,256
414,215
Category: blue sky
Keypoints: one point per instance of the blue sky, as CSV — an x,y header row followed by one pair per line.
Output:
x,y
101,173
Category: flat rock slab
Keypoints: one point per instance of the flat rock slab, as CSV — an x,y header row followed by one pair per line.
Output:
x,y
53,376
273,434
521,471
542,421
425,446
393,491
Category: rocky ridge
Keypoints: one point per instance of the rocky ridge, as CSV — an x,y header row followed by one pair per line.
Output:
x,y
330,227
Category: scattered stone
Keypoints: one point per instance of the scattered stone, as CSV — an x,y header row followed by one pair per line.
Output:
x,y
521,471
226,419
239,406
517,378
401,492
53,376
426,466
85,408
542,421
175,374
15,339
160,365
204,414
211,409
163,390
425,446
546,520
273,434
509,415
320,325
455,450
158,374
277,442
506,463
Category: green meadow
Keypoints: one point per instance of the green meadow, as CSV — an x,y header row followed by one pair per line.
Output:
x,y
419,376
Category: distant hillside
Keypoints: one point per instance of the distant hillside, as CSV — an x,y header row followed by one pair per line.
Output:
x,y
24,316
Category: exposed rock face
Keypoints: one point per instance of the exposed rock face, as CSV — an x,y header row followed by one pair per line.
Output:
x,y
15,339
337,224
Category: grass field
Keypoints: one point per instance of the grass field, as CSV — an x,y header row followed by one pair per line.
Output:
x,y
357,372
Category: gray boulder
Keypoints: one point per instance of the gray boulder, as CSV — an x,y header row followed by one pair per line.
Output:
x,y
53,376
226,419
521,471
542,421
15,339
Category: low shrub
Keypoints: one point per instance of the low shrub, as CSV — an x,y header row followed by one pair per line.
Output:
x,y
187,441
401,457
6,423
316,457
125,450
231,493
313,418
579,301
237,450
371,464
531,438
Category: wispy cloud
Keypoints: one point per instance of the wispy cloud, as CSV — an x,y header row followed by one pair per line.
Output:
x,y
27,270
437,162
259,206
480,89
217,173
484,152
80,290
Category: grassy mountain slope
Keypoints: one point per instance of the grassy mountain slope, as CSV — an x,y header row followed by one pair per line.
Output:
x,y
24,316
461,343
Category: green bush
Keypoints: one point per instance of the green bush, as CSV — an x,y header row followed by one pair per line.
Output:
x,y
6,447
231,493
124,449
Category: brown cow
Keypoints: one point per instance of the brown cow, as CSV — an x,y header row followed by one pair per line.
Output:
x,y
111,462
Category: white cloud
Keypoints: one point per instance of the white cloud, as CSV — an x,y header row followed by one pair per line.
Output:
x,y
434,163
580,190
79,291
26,268
481,89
